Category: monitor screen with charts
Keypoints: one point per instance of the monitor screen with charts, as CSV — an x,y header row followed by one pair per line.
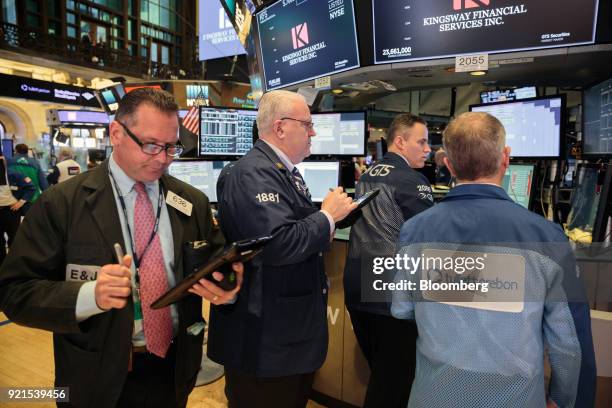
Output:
x,y
200,174
508,94
597,119
518,183
226,132
533,126
339,134
320,177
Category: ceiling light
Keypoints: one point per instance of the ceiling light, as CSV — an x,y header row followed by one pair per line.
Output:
x,y
478,73
337,91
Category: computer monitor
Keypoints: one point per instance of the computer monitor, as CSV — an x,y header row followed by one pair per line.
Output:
x,y
200,174
597,120
226,131
518,183
320,176
534,127
109,97
508,94
339,134
585,201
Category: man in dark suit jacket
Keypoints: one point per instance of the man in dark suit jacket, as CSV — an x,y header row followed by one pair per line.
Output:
x,y
273,338
111,349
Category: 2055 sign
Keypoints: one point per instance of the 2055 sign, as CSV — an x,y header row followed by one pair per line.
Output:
x,y
468,63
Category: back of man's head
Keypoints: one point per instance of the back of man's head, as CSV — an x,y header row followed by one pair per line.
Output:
x,y
275,105
22,148
439,157
474,143
65,153
157,98
401,123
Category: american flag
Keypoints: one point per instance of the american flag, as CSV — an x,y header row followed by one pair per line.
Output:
x,y
191,121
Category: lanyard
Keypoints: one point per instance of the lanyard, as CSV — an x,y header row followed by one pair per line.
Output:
x,y
138,259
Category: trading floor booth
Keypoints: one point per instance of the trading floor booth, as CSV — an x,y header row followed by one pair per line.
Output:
x,y
527,64
86,131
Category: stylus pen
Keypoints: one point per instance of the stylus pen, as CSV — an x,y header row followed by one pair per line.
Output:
x,y
118,253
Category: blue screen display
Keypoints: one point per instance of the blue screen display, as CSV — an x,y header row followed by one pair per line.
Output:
x,y
217,37
305,39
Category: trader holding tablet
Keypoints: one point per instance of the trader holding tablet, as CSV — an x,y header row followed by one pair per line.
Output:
x,y
274,337
61,274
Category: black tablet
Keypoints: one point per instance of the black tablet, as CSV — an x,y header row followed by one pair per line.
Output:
x,y
356,213
240,251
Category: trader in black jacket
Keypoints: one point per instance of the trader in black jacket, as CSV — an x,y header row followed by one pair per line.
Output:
x,y
275,335
388,344
61,274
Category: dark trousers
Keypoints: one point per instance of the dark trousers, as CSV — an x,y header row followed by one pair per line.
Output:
x,y
247,391
389,346
150,384
9,223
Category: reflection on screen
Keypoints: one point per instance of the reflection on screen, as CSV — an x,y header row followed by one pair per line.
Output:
x,y
339,134
226,131
319,177
598,119
200,174
533,127
585,200
518,182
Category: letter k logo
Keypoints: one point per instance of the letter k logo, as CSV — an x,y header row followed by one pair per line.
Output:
x,y
299,35
467,4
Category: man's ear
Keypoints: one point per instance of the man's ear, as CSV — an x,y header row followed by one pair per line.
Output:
x,y
449,166
277,128
506,157
115,132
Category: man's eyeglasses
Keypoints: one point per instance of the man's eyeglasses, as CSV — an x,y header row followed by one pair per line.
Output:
x,y
308,125
152,149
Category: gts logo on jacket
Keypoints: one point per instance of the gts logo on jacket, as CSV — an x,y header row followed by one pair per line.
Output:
x,y
380,170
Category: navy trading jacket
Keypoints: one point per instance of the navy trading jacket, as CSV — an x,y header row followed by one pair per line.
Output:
x,y
404,192
277,326
487,356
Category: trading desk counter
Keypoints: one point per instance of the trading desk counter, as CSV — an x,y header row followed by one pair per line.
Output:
x,y
345,373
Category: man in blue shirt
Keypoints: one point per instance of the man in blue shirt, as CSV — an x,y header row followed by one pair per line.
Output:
x,y
486,353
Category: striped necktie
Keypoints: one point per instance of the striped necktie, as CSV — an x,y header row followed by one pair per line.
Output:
x,y
299,182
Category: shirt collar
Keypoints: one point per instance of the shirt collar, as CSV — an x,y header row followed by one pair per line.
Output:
x,y
478,189
123,181
393,154
281,155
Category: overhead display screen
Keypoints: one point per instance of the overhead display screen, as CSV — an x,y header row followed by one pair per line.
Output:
x,y
305,39
533,126
406,30
217,36
339,134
